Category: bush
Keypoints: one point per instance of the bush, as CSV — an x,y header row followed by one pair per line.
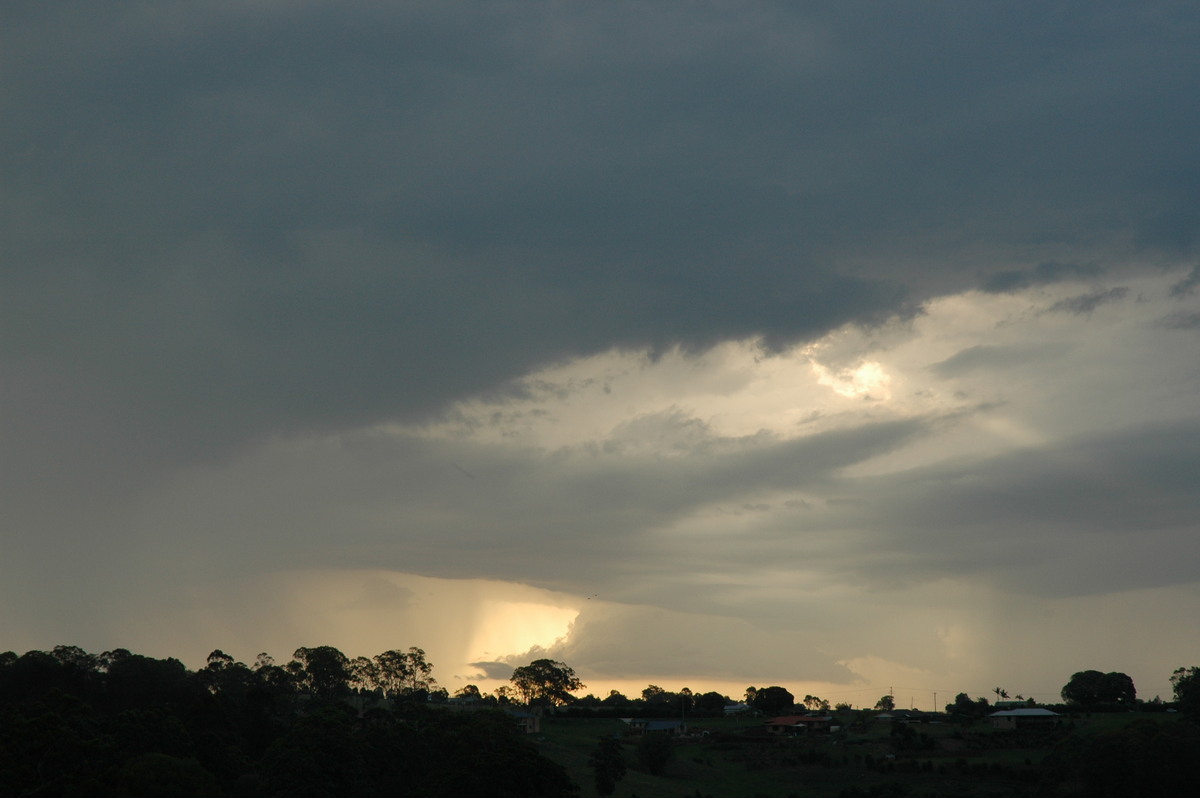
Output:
x,y
654,751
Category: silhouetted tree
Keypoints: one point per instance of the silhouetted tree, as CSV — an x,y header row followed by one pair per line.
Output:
x,y
615,699
76,658
1185,683
653,694
965,710
223,675
364,674
545,680
772,700
138,681
469,691
116,655
122,724
1091,689
710,704
404,672
658,700
322,670
814,703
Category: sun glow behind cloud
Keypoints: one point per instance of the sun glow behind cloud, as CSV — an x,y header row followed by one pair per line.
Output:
x,y
965,352
363,612
505,628
701,496
867,381
983,368
423,391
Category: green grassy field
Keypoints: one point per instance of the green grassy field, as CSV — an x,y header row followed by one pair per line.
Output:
x,y
820,766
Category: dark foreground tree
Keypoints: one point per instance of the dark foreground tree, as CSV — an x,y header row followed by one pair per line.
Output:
x,y
545,681
654,751
1185,683
1145,758
608,765
482,753
160,774
130,725
317,756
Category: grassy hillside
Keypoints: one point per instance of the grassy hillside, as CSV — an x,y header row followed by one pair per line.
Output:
x,y
735,759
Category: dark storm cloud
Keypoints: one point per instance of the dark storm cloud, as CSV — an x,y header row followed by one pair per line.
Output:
x,y
401,503
246,218
1181,320
1107,513
1042,274
1086,303
492,670
1188,284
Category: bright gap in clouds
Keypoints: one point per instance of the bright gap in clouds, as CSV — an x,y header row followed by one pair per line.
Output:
x,y
867,381
364,612
992,375
504,628
874,502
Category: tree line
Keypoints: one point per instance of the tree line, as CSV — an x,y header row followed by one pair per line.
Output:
x,y
73,723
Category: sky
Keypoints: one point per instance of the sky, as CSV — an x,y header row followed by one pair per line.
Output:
x,y
852,347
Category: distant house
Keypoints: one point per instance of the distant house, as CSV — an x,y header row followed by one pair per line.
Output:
x,y
740,708
784,724
904,716
642,726
793,724
1022,718
460,703
817,723
527,722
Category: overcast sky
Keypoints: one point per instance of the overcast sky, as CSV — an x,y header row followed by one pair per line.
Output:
x,y
843,346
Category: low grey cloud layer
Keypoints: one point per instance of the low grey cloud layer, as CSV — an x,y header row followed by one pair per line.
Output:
x,y
286,286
